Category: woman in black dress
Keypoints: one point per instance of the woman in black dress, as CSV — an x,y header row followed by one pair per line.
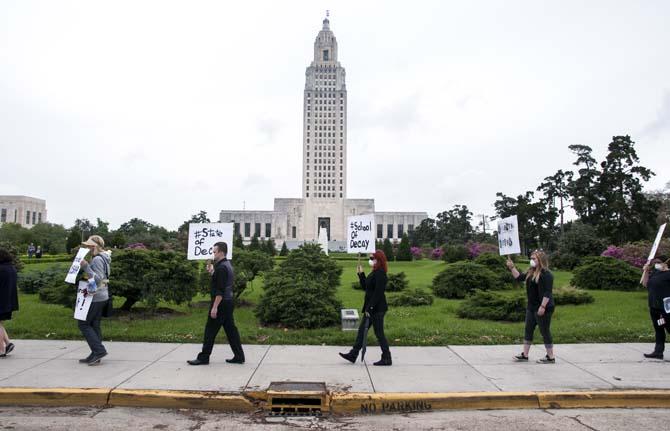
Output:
x,y
9,299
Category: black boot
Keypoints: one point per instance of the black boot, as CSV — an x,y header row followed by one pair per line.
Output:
x,y
385,360
351,356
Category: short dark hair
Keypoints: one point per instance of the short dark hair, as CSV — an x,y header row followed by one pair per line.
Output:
x,y
6,256
222,246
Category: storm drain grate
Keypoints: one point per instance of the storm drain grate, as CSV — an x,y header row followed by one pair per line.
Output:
x,y
297,399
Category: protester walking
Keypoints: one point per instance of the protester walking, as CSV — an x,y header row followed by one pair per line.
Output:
x,y
98,279
221,309
374,308
9,299
539,285
657,282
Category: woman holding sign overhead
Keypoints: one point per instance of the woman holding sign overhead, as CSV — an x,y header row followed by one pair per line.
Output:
x,y
98,278
374,308
539,285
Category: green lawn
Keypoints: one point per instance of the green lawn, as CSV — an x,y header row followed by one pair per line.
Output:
x,y
613,317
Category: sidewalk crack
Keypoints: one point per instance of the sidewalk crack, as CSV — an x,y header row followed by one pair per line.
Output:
x,y
613,386
370,377
488,379
256,369
576,419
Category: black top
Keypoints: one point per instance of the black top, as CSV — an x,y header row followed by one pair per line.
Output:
x,y
9,298
536,291
222,279
375,286
659,288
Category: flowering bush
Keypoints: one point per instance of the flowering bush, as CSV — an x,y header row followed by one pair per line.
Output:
x,y
635,253
137,246
613,251
436,254
417,253
477,248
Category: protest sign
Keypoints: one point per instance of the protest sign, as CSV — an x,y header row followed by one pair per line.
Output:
x,y
83,302
360,234
657,242
203,236
508,236
76,265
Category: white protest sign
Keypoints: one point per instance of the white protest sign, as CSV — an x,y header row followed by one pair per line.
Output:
x,y
657,242
76,265
360,234
83,302
203,236
508,236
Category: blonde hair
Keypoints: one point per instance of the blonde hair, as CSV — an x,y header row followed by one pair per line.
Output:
x,y
542,264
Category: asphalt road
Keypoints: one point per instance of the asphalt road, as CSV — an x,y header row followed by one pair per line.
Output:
x,y
125,419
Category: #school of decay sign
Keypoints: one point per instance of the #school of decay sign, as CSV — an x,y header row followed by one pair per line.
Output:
x,y
203,236
360,236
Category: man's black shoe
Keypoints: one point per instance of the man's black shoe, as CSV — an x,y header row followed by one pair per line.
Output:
x,y
197,362
235,361
86,360
95,359
654,355
351,356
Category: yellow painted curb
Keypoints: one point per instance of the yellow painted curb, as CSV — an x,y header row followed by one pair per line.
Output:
x,y
63,397
180,399
365,403
605,399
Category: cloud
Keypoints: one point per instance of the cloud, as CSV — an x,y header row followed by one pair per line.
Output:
x,y
662,122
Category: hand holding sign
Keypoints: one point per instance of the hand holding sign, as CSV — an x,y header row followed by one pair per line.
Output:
x,y
360,236
77,264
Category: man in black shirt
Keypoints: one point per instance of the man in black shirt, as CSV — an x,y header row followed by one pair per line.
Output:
x,y
221,310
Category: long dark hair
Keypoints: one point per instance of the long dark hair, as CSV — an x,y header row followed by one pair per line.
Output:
x,y
380,257
6,256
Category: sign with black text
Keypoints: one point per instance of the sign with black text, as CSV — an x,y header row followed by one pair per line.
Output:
x,y
203,236
508,236
360,234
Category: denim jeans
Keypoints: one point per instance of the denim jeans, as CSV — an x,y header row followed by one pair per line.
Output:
x,y
90,328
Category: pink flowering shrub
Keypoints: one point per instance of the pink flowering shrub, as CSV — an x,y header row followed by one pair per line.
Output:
x,y
613,251
137,246
417,253
636,253
477,248
436,254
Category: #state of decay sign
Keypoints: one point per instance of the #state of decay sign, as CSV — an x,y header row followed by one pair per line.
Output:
x,y
203,236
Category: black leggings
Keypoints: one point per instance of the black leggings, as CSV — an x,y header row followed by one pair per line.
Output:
x,y
377,320
544,322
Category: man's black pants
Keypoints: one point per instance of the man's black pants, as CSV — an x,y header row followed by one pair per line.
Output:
x,y
656,314
224,317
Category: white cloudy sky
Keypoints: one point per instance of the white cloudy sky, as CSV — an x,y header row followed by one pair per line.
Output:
x,y
158,109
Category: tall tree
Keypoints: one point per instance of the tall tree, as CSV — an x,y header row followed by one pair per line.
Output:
x,y
556,187
583,189
453,226
626,214
425,233
531,215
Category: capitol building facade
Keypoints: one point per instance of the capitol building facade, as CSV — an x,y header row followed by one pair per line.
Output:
x,y
324,201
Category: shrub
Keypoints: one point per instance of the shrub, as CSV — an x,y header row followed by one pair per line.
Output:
x,y
297,301
387,247
459,279
397,282
570,295
477,248
301,292
493,306
404,252
454,253
284,250
635,253
33,282
581,240
564,260
496,264
60,293
436,254
417,253
411,298
606,273
152,276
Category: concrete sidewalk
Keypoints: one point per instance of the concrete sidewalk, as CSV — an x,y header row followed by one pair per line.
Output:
x,y
450,369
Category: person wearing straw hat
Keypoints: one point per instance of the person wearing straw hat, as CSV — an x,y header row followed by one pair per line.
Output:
x,y
98,276
657,282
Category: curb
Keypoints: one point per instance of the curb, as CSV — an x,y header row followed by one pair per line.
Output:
x,y
337,403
